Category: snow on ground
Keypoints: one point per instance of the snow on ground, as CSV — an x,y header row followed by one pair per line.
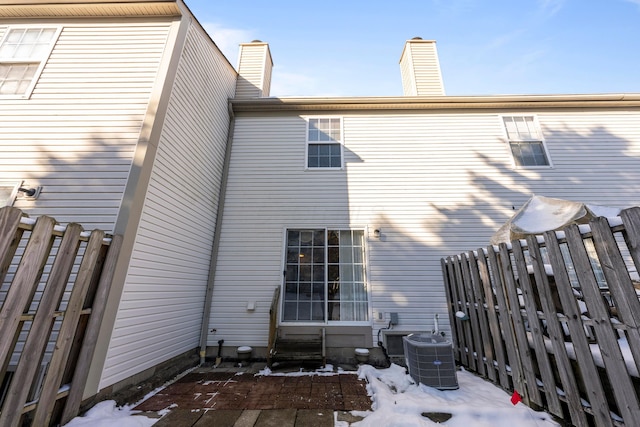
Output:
x,y
397,402
106,414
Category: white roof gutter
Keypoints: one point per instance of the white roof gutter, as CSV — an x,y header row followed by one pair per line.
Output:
x,y
435,102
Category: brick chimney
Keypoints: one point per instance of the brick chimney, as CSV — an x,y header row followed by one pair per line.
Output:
x,y
254,70
420,68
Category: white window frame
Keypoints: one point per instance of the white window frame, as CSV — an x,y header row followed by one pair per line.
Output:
x,y
8,192
40,58
540,139
326,321
339,142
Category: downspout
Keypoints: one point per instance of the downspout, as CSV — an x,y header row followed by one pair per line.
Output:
x,y
204,331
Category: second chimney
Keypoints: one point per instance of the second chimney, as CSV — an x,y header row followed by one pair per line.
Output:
x,y
254,70
420,68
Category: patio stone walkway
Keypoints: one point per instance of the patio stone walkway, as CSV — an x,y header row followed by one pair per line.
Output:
x,y
226,397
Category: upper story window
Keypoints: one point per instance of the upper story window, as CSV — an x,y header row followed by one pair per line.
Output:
x,y
23,53
526,142
324,142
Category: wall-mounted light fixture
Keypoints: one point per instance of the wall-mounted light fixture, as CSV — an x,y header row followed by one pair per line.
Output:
x,y
30,193
376,233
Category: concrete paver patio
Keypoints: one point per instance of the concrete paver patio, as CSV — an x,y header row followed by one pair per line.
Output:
x,y
237,397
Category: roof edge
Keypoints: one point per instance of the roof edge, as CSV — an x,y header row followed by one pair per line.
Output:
x,y
435,102
25,9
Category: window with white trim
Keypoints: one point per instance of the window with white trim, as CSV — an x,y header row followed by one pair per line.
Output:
x,y
325,276
324,142
23,53
526,142
8,192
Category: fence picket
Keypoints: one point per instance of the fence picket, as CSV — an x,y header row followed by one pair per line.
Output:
x,y
52,382
35,344
522,341
620,381
545,319
485,338
466,341
29,343
619,282
448,277
493,335
24,286
91,334
631,220
476,350
556,338
587,372
10,236
535,330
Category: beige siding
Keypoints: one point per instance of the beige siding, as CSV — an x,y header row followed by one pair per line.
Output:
x,y
76,136
420,69
162,303
254,71
435,184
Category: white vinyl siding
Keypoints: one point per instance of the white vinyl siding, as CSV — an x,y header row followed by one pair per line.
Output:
x,y
434,184
77,133
162,302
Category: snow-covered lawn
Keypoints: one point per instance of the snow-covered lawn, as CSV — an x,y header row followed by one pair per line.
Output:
x,y
397,402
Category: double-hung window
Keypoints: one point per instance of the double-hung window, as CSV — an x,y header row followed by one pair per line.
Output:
x,y
324,142
325,276
23,53
526,142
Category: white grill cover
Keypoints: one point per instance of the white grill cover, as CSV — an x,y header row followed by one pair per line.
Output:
x,y
540,214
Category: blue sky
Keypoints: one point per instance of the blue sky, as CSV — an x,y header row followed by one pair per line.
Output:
x,y
352,47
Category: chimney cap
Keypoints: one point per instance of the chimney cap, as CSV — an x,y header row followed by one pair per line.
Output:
x,y
417,38
256,41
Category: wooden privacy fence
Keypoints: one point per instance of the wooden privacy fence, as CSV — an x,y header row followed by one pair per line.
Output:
x,y
555,317
54,285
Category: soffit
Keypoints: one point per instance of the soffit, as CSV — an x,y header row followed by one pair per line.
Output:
x,y
87,8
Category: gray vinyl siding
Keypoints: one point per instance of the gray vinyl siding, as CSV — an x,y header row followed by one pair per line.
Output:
x,y
162,303
76,135
435,184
